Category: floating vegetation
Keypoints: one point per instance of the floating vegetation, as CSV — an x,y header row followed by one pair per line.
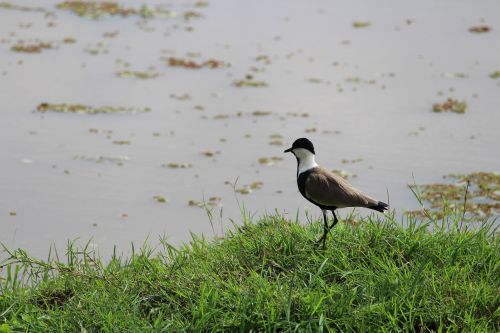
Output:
x,y
209,153
121,142
249,82
100,9
356,160
177,165
160,199
12,213
295,114
456,75
113,159
7,5
483,195
480,29
361,24
86,109
495,75
180,62
137,74
276,142
452,105
261,113
183,97
97,48
33,47
344,174
417,131
247,189
269,160
212,201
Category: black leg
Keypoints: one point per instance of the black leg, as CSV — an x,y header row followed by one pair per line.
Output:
x,y
325,229
335,220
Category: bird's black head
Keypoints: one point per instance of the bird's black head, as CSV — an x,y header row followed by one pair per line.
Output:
x,y
302,143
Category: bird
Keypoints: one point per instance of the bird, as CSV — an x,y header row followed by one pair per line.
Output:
x,y
325,189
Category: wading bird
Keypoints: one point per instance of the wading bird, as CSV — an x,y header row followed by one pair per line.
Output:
x,y
324,188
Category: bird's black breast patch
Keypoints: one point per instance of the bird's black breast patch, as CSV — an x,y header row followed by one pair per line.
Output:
x,y
301,181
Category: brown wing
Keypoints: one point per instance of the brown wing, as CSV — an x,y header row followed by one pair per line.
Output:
x,y
326,188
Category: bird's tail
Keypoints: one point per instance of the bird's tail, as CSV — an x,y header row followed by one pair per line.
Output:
x,y
380,207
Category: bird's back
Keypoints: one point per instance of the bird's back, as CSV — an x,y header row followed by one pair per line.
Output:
x,y
323,187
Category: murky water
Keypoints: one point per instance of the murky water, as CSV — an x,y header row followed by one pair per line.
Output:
x,y
360,94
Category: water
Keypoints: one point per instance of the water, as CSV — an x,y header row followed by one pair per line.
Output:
x,y
367,93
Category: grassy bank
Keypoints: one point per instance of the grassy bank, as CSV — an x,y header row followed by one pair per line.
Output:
x,y
269,276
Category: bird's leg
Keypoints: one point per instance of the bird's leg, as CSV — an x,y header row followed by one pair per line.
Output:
x,y
335,220
325,229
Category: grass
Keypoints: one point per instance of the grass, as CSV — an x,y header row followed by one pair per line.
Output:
x,y
268,276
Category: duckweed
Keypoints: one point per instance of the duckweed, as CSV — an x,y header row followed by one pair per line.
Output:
x,y
86,109
483,195
137,74
450,105
180,62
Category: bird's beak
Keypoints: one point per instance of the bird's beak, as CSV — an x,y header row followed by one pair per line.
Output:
x,y
288,150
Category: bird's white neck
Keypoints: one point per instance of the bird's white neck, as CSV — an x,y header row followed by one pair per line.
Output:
x,y
305,159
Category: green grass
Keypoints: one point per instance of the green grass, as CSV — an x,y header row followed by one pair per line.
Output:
x,y
269,276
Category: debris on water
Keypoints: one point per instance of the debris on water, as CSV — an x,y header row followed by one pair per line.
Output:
x,y
137,74
249,82
311,130
480,29
12,213
495,75
452,105
483,195
177,165
86,109
361,24
160,199
112,159
269,160
180,62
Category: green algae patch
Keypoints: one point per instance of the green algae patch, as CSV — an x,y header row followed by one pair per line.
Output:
x,y
495,75
475,195
100,9
160,199
361,24
249,81
86,109
137,74
32,47
8,5
450,105
110,159
480,29
190,64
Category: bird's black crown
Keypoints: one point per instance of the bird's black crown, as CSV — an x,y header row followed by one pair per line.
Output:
x,y
304,143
